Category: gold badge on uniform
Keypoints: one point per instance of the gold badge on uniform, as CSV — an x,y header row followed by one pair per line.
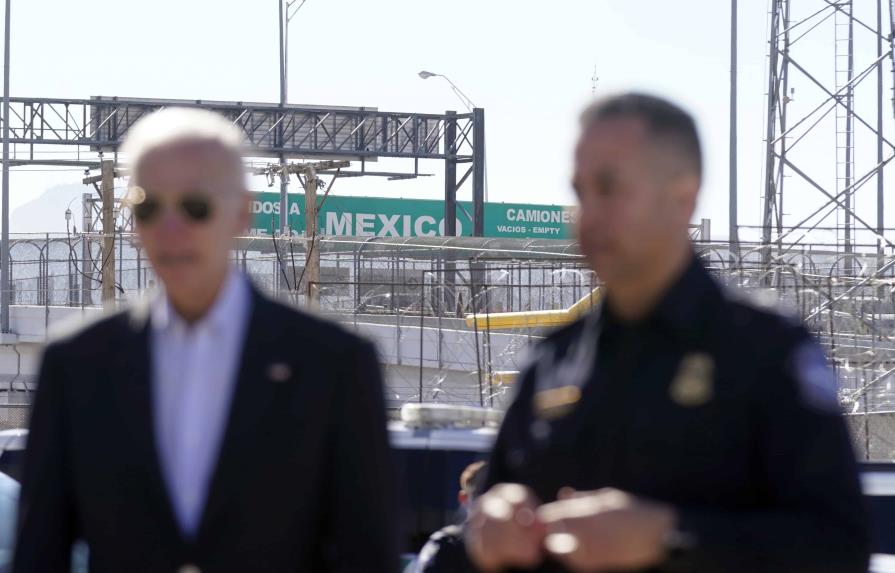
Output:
x,y
693,384
556,402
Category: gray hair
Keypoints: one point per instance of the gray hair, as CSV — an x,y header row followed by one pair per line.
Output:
x,y
175,125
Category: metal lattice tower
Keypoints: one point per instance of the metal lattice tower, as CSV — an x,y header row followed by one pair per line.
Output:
x,y
837,88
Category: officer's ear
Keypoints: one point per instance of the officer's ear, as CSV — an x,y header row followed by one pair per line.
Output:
x,y
675,176
462,497
683,191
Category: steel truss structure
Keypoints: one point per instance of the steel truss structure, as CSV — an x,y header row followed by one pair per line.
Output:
x,y
797,144
85,128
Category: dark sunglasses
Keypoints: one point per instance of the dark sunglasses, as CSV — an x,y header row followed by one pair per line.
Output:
x,y
195,207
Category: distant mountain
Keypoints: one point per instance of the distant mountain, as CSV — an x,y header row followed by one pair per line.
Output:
x,y
46,213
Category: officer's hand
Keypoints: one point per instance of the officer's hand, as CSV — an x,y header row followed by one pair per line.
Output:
x,y
605,530
503,531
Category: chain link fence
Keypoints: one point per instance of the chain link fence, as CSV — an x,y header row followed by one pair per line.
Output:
x,y
14,416
413,295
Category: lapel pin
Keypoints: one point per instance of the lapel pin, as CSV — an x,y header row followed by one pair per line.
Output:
x,y
692,386
279,372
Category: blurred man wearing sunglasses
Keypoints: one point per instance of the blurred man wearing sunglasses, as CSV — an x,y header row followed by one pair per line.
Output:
x,y
209,429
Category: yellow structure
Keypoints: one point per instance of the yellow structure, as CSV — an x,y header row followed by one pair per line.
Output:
x,y
504,376
534,318
531,319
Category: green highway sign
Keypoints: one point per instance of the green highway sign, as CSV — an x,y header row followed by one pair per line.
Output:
x,y
343,215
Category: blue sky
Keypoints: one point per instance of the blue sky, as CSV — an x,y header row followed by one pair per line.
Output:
x,y
529,64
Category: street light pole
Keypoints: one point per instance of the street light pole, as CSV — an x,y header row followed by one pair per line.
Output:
x,y
472,108
733,223
285,18
284,177
4,204
467,103
286,37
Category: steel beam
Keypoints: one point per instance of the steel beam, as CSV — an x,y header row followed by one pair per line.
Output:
x,y
732,232
771,190
307,131
5,276
478,173
880,196
450,175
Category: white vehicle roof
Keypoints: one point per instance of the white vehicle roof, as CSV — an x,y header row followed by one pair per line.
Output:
x,y
479,440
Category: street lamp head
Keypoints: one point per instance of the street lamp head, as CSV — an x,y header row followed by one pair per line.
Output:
x,y
466,101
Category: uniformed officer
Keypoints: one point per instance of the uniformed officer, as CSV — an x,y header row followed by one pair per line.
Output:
x,y
444,551
675,428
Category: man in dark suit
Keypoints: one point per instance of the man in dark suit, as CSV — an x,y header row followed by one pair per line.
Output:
x,y
208,429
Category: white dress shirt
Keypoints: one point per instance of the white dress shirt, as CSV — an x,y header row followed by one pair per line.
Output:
x,y
194,372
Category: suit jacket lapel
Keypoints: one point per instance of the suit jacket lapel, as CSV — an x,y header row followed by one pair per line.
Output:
x,y
135,397
251,401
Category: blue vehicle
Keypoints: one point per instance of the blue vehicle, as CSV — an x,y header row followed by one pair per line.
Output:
x,y
433,444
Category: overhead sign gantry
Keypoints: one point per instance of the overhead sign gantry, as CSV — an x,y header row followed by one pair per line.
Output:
x,y
93,126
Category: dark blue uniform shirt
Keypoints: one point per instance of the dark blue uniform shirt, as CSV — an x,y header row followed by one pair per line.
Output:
x,y
727,411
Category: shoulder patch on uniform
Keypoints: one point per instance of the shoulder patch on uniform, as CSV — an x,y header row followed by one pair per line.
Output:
x,y
816,381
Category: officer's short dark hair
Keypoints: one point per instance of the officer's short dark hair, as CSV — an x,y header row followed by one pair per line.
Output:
x,y
664,121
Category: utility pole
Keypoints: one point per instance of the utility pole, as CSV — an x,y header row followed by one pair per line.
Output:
x,y
106,179
107,188
86,262
309,171
312,264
